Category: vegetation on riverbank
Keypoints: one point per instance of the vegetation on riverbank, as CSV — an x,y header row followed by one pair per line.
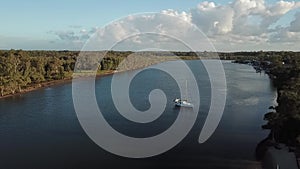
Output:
x,y
22,71
283,119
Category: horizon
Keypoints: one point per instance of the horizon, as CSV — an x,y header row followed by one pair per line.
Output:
x,y
66,50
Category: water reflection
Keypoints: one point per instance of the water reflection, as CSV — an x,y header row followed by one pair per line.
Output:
x,y
40,129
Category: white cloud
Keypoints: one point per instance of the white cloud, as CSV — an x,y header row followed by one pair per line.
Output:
x,y
236,17
238,25
282,7
247,7
73,39
168,30
183,15
83,31
245,21
213,19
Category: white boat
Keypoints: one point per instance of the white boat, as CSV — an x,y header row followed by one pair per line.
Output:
x,y
183,102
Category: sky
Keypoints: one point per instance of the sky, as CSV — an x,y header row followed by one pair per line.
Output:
x,y
233,25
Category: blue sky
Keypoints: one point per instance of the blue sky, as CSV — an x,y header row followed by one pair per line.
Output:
x,y
32,24
35,18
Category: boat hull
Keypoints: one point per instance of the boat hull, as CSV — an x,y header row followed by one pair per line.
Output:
x,y
178,104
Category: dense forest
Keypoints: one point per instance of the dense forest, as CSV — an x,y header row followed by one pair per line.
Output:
x,y
20,70
284,120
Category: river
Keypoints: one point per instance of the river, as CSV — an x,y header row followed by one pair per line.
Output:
x,y
40,129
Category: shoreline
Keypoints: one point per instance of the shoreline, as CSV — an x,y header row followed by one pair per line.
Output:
x,y
47,84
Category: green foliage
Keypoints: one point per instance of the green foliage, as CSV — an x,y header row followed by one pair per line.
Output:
x,y
22,69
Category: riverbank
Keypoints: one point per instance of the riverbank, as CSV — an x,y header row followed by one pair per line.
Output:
x,y
36,87
283,119
83,74
131,63
47,84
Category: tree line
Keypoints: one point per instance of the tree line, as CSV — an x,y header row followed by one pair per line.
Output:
x,y
284,120
22,69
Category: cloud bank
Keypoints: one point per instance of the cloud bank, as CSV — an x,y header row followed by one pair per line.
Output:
x,y
247,22
235,26
238,25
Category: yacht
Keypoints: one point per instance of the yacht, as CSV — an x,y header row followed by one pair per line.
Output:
x,y
183,102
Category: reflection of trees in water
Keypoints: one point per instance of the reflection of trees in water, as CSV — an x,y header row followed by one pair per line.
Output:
x,y
283,120
276,155
261,148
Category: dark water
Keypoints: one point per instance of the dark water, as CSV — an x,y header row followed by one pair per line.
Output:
x,y
40,129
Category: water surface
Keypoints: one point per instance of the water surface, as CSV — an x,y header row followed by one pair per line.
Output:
x,y
40,129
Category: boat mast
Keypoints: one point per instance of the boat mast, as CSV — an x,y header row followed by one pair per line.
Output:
x,y
186,94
